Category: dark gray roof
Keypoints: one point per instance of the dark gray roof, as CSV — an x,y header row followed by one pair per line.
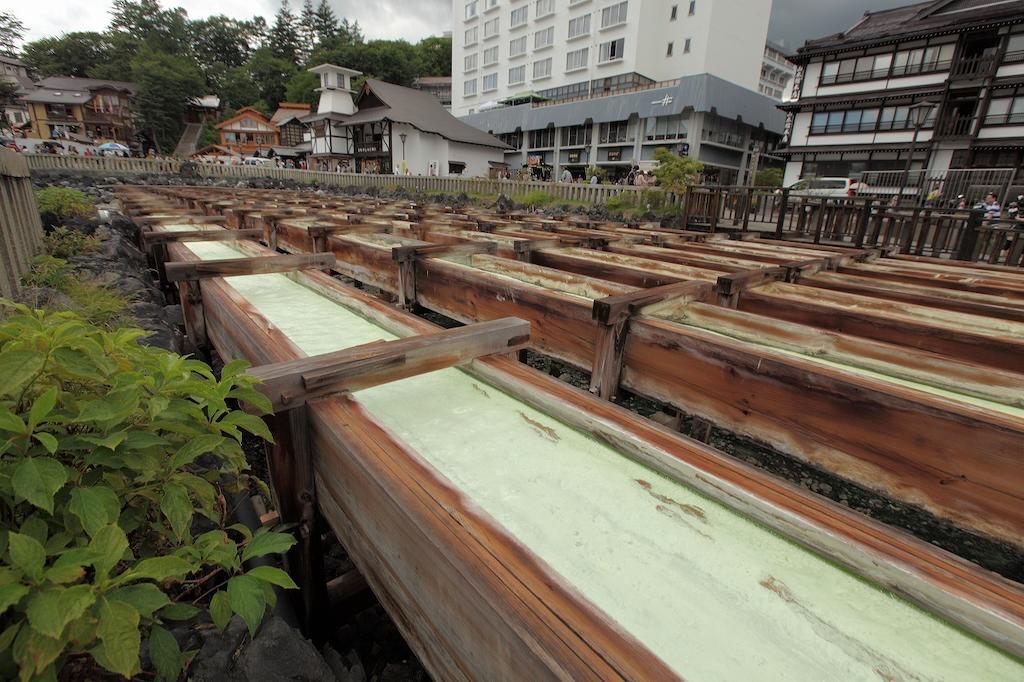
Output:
x,y
72,83
703,92
46,96
923,18
421,110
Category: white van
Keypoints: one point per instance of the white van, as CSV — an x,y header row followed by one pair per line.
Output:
x,y
833,188
255,161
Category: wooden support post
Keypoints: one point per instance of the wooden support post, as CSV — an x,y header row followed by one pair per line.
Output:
x,y
150,238
228,267
191,295
296,382
524,248
610,342
969,238
780,220
406,257
862,224
728,287
700,429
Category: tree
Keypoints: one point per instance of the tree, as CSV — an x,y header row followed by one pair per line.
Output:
x,y
349,32
221,40
271,75
284,35
325,23
147,22
434,56
307,30
768,177
72,54
11,33
302,88
8,93
675,172
165,84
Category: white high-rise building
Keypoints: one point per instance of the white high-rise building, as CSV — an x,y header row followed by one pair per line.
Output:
x,y
568,48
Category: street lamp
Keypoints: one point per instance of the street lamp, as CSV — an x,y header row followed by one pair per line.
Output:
x,y
402,137
917,114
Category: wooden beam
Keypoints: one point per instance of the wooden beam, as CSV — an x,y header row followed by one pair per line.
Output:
x,y
228,267
613,309
150,238
294,383
409,253
728,287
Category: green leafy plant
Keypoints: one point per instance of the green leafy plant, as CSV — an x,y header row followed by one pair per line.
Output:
x,y
61,242
592,171
619,202
768,177
47,271
57,204
534,198
675,172
112,457
96,303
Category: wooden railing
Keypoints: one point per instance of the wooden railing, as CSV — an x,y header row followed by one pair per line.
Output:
x,y
585,193
20,226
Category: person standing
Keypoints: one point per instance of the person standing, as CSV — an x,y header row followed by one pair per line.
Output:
x,y
993,211
566,175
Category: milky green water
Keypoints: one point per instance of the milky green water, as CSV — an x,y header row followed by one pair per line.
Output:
x,y
716,596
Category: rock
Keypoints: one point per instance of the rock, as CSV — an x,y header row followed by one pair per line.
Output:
x,y
174,315
43,297
215,662
504,204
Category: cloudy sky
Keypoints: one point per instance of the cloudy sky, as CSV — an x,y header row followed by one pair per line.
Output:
x,y
793,21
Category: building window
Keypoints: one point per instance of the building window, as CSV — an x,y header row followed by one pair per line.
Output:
x,y
668,50
471,10
540,139
471,36
616,131
1014,49
686,46
490,4
1005,111
580,26
577,59
611,50
469,62
489,83
864,120
491,28
545,38
542,68
544,8
666,128
491,56
674,14
693,7
519,16
514,140
516,75
576,136
901,63
469,87
517,47
614,15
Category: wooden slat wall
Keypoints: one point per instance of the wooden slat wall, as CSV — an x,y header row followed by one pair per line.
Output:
x,y
21,231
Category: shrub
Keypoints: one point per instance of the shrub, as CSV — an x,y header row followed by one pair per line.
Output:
x,y
57,204
47,271
534,198
102,493
768,177
64,243
675,172
619,202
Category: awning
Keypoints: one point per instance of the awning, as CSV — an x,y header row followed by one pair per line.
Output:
x,y
497,164
75,137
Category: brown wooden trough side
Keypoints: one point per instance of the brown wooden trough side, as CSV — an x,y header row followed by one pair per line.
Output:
x,y
472,602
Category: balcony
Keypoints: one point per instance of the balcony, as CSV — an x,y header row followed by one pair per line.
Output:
x,y
724,139
955,126
971,68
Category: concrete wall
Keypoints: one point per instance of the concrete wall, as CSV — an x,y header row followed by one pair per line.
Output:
x,y
422,148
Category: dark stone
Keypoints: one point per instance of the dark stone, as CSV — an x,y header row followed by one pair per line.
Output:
x,y
279,652
174,315
42,297
504,204
189,170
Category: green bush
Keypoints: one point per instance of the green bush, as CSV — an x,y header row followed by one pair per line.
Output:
x,y
61,242
62,203
47,271
535,198
95,303
619,202
100,440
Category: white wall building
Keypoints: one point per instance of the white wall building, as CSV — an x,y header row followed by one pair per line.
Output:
x,y
776,73
393,129
574,48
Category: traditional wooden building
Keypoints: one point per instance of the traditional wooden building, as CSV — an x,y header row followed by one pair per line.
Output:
x,y
249,133
81,109
394,130
288,119
935,87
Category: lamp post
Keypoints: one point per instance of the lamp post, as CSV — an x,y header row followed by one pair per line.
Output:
x,y
918,113
402,137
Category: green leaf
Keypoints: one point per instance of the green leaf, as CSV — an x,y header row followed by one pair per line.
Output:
x,y
36,528
37,479
50,610
220,610
147,598
272,575
120,641
34,651
7,638
42,406
27,554
176,505
18,367
61,575
178,611
267,542
250,423
109,544
165,653
199,445
11,595
156,568
233,369
246,599
11,422
114,406
48,441
95,507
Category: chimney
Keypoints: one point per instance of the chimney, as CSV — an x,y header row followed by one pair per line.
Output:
x,y
335,89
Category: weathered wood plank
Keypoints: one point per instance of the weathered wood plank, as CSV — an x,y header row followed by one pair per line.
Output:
x,y
229,267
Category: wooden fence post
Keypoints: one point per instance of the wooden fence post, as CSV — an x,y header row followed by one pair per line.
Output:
x,y
969,238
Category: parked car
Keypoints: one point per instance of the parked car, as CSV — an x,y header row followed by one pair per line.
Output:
x,y
832,188
255,161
